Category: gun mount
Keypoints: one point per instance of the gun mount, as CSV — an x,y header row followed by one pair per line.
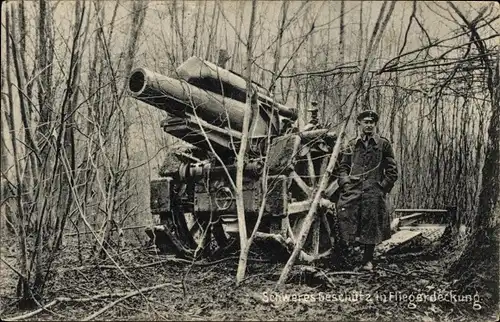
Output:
x,y
195,203
206,101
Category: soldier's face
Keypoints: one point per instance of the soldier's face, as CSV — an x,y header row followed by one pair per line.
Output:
x,y
367,125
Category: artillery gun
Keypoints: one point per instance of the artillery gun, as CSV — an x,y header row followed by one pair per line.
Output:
x,y
196,202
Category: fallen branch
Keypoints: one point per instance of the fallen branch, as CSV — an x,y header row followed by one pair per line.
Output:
x,y
169,260
328,279
129,295
393,272
257,275
372,291
113,229
322,275
122,295
345,273
286,244
313,269
28,315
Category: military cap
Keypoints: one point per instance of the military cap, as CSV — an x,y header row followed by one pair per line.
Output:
x,y
368,113
314,107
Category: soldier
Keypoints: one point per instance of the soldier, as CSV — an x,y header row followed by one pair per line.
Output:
x,y
367,172
314,120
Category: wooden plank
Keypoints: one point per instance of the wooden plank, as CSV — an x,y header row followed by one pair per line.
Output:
x,y
299,206
411,222
397,240
418,214
431,232
410,219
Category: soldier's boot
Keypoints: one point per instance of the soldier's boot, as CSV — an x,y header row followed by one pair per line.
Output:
x,y
368,257
341,254
368,267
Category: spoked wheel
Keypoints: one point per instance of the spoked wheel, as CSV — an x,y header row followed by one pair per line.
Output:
x,y
188,236
205,235
302,186
319,242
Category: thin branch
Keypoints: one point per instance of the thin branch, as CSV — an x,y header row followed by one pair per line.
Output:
x,y
14,269
129,295
31,314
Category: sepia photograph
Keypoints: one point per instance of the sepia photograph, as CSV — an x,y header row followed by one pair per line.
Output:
x,y
210,160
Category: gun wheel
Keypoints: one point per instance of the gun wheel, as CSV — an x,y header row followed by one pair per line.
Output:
x,y
303,181
187,236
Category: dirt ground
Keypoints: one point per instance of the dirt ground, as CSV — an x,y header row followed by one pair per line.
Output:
x,y
404,287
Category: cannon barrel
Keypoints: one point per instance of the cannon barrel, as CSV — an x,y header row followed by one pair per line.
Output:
x,y
207,104
178,97
205,74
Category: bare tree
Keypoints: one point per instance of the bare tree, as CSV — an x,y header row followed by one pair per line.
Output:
x,y
250,101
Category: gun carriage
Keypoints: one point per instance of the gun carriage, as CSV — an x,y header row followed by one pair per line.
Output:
x,y
195,202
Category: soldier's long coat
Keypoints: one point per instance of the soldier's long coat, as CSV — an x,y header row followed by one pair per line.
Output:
x,y
367,172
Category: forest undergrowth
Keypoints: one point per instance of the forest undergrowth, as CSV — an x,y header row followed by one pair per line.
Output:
x,y
412,284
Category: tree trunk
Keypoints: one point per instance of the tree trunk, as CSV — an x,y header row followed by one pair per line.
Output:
x,y
240,207
342,60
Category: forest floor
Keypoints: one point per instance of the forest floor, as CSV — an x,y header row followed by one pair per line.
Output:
x,y
403,287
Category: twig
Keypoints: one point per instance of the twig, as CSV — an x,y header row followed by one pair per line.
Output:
x,y
257,275
28,315
345,273
328,279
14,269
174,260
113,229
394,272
110,305
124,295
378,287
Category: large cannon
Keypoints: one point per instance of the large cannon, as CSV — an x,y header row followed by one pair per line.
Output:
x,y
196,202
